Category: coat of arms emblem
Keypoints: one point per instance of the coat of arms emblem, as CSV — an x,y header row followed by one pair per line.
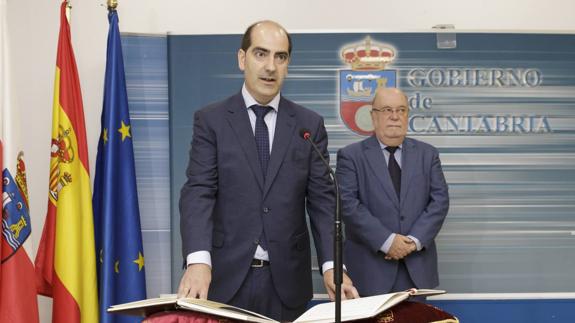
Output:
x,y
357,86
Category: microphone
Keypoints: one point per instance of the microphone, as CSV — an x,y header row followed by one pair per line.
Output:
x,y
337,241
305,133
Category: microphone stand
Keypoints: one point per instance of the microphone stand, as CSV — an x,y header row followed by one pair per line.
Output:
x,y
337,244
337,241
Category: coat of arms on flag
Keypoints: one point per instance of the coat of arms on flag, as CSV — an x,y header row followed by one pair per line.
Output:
x,y
15,216
357,86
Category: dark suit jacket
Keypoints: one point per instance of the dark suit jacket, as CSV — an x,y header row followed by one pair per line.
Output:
x,y
372,211
225,202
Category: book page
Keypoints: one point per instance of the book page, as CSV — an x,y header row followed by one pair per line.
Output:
x,y
425,292
352,309
220,309
145,307
149,306
143,303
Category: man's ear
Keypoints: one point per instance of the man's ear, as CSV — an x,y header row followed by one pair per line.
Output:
x,y
241,59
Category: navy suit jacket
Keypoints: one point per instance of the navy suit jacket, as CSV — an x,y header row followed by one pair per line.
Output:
x,y
372,211
226,201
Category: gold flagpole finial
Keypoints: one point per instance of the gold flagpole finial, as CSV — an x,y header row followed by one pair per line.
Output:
x,y
112,4
68,10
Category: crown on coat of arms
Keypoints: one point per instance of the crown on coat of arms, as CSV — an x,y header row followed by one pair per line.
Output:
x,y
368,56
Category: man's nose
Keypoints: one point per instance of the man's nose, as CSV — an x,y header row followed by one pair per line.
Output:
x,y
270,63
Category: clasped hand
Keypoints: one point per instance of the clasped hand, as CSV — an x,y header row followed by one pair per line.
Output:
x,y
400,248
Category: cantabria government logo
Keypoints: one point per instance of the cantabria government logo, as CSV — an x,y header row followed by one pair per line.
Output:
x,y
357,85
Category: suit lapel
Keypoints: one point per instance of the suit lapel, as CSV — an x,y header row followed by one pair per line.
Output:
x,y
408,163
240,122
285,126
378,165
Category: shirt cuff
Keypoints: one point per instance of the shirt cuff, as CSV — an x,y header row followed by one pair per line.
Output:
x,y
387,244
329,265
199,257
417,243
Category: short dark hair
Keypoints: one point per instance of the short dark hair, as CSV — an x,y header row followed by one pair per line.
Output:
x,y
247,38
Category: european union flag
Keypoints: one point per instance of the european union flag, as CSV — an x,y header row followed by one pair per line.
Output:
x,y
119,252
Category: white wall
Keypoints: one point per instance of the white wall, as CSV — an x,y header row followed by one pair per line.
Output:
x,y
33,27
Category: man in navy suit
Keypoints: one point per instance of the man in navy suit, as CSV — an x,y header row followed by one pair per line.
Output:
x,y
250,179
394,201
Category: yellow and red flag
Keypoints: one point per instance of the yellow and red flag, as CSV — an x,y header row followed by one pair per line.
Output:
x,y
18,301
66,261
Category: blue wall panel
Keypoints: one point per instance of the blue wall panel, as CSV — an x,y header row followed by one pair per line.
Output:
x,y
499,107
511,169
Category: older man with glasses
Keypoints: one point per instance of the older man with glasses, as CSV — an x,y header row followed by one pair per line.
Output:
x,y
394,200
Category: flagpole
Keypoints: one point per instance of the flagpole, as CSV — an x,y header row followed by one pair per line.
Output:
x,y
68,10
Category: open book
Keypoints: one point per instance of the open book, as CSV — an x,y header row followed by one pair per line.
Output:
x,y
360,308
353,309
153,305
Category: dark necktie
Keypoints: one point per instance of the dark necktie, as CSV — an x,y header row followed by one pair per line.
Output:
x,y
394,169
263,146
262,136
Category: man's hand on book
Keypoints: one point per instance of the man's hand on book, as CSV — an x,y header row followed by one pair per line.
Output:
x,y
347,289
401,247
196,281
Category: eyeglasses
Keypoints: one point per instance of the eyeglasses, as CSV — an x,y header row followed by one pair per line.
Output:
x,y
389,111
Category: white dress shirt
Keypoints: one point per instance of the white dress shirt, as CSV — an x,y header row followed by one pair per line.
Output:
x,y
389,241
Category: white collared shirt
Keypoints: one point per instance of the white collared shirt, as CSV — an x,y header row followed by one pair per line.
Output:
x,y
397,154
269,119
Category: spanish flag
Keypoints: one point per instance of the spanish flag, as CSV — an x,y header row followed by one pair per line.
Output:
x,y
66,261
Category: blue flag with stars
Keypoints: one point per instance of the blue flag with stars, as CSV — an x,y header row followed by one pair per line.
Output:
x,y
119,251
